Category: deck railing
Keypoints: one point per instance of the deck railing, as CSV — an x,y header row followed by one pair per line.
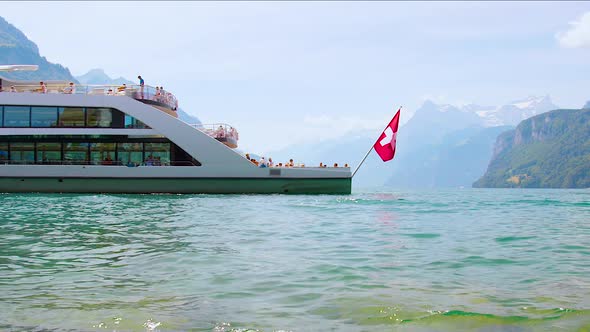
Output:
x,y
218,130
138,92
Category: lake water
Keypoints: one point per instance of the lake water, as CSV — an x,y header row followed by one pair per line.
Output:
x,y
397,260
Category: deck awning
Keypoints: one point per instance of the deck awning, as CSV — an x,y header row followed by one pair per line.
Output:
x,y
18,67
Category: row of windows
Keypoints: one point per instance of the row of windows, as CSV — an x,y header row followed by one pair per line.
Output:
x,y
76,153
85,138
66,117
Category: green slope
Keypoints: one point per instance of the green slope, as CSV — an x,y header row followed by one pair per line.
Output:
x,y
16,48
550,150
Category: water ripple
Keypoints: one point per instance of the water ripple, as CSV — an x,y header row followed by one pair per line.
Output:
x,y
416,260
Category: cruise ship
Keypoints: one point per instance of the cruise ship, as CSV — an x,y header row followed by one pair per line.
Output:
x,y
66,138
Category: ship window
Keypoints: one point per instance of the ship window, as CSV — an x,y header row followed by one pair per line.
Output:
x,y
75,153
99,117
17,116
102,153
131,122
22,153
71,117
44,116
130,153
48,153
182,158
157,154
3,151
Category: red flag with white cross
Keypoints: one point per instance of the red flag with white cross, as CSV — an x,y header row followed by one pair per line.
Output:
x,y
385,145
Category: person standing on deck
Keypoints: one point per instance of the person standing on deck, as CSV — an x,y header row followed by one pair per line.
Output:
x,y
141,84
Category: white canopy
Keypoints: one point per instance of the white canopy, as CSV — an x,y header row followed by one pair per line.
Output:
x,y
18,67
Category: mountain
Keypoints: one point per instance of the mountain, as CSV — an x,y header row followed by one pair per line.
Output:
x,y
550,150
513,113
98,76
431,122
457,160
16,48
587,104
440,146
451,146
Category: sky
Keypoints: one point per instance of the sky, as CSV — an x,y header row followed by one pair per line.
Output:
x,y
290,72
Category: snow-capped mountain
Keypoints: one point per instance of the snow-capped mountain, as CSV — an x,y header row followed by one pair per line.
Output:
x,y
440,146
514,112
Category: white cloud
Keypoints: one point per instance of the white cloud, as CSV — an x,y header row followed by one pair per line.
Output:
x,y
578,35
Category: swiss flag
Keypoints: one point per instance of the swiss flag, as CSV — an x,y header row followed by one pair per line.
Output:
x,y
385,145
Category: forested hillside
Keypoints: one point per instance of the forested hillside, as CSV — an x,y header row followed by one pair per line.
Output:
x,y
17,49
550,150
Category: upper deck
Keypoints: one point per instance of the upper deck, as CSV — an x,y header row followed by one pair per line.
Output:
x,y
157,98
161,99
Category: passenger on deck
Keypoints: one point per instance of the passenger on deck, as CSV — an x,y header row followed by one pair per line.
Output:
x,y
220,132
12,88
43,88
280,165
291,163
70,89
262,163
121,89
270,162
141,84
321,165
149,161
335,164
108,160
110,92
345,165
158,94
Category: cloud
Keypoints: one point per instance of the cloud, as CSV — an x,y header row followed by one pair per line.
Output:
x,y
578,35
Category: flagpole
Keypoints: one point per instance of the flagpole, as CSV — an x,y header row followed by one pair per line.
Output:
x,y
362,161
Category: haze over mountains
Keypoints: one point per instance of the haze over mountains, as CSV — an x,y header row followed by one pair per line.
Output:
x,y
98,76
440,146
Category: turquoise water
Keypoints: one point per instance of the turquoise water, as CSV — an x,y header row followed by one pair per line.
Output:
x,y
445,260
